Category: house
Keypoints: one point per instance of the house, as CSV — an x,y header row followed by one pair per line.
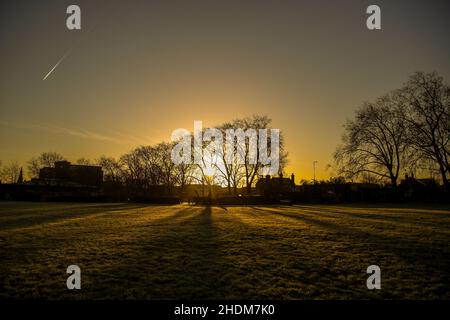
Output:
x,y
414,188
275,185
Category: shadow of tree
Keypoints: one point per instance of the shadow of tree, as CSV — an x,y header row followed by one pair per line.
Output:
x,y
184,261
411,251
386,216
31,258
57,214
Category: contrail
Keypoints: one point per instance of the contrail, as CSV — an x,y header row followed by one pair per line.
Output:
x,y
67,53
57,64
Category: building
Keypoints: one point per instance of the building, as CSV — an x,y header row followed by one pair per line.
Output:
x,y
275,185
65,173
414,188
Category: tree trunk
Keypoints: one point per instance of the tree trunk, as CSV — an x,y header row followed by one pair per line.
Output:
x,y
444,177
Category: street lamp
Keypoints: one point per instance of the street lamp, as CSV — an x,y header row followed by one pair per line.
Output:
x,y
314,169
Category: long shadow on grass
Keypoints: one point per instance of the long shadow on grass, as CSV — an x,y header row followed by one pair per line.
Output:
x,y
409,250
92,263
181,260
426,207
405,218
48,216
300,269
424,263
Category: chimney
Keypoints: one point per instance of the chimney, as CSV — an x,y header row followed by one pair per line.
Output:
x,y
293,178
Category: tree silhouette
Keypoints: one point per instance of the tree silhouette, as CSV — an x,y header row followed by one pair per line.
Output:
x,y
375,142
251,171
428,119
408,129
45,159
10,172
153,165
83,161
112,169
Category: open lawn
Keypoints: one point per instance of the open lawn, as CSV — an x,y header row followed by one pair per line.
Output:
x,y
275,252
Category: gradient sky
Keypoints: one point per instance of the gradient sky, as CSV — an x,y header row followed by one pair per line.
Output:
x,y
140,69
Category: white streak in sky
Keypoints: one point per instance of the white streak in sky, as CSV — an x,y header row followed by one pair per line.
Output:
x,y
57,64
66,54
79,132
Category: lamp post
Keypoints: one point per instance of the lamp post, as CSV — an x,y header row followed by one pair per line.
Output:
x,y
314,170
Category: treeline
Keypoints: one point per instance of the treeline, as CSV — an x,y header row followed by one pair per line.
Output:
x,y
404,131
152,165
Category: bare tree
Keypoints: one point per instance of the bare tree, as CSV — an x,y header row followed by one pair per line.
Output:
x,y
34,165
228,172
46,159
149,160
10,172
253,170
217,166
374,143
112,169
428,118
151,165
205,171
133,169
166,165
184,174
83,161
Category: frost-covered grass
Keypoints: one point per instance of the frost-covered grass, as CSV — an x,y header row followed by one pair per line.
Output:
x,y
275,252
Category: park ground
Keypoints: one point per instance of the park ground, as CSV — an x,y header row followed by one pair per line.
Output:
x,y
133,251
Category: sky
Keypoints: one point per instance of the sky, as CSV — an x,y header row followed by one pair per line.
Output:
x,y
137,70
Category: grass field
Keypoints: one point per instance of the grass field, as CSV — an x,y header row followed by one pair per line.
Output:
x,y
277,252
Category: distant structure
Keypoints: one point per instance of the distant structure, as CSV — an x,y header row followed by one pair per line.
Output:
x,y
69,182
275,185
65,173
417,188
